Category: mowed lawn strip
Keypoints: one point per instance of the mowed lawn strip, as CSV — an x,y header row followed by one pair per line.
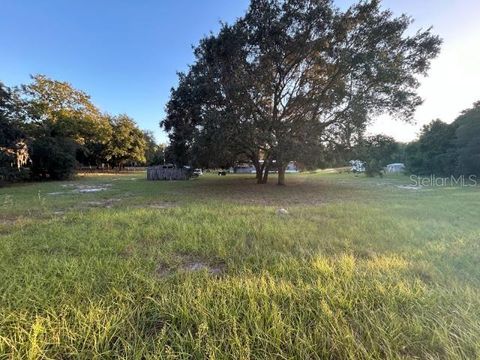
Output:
x,y
112,266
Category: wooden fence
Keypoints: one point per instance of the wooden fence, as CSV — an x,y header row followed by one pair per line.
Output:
x,y
167,173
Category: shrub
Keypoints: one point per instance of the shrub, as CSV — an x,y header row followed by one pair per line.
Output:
x,y
376,152
374,168
434,152
53,158
10,174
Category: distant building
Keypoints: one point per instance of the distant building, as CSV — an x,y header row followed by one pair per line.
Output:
x,y
292,167
395,168
244,169
357,166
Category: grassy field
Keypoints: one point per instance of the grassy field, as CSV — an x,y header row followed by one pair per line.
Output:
x,y
114,266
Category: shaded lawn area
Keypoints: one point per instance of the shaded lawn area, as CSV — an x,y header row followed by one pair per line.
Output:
x,y
358,268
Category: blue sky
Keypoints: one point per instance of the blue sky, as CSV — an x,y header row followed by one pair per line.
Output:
x,y
125,54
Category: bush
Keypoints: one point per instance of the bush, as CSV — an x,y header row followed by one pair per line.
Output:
x,y
434,153
467,141
376,152
53,158
10,174
374,168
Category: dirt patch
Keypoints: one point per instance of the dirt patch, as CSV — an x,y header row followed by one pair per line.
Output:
x,y
81,189
409,187
128,251
192,266
162,205
125,179
105,203
7,222
366,254
217,269
85,189
159,205
300,190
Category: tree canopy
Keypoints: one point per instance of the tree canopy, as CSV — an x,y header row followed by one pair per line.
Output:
x,y
154,152
127,143
467,140
58,127
57,108
10,117
293,74
376,152
448,149
13,149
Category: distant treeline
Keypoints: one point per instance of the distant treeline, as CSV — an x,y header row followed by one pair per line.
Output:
x,y
448,149
442,149
48,128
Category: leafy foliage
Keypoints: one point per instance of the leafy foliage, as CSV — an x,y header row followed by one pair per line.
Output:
x,y
10,117
127,144
58,109
448,149
13,150
467,141
434,153
62,127
53,158
154,153
291,74
376,152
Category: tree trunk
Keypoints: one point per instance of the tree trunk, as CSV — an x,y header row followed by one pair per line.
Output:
x,y
265,177
265,174
281,174
258,171
258,175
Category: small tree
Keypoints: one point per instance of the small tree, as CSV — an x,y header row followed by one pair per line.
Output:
x,y
53,158
127,145
154,153
376,152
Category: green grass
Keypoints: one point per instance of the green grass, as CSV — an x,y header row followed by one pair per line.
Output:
x,y
358,269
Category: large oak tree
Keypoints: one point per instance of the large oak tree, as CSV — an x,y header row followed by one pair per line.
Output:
x,y
59,110
292,74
